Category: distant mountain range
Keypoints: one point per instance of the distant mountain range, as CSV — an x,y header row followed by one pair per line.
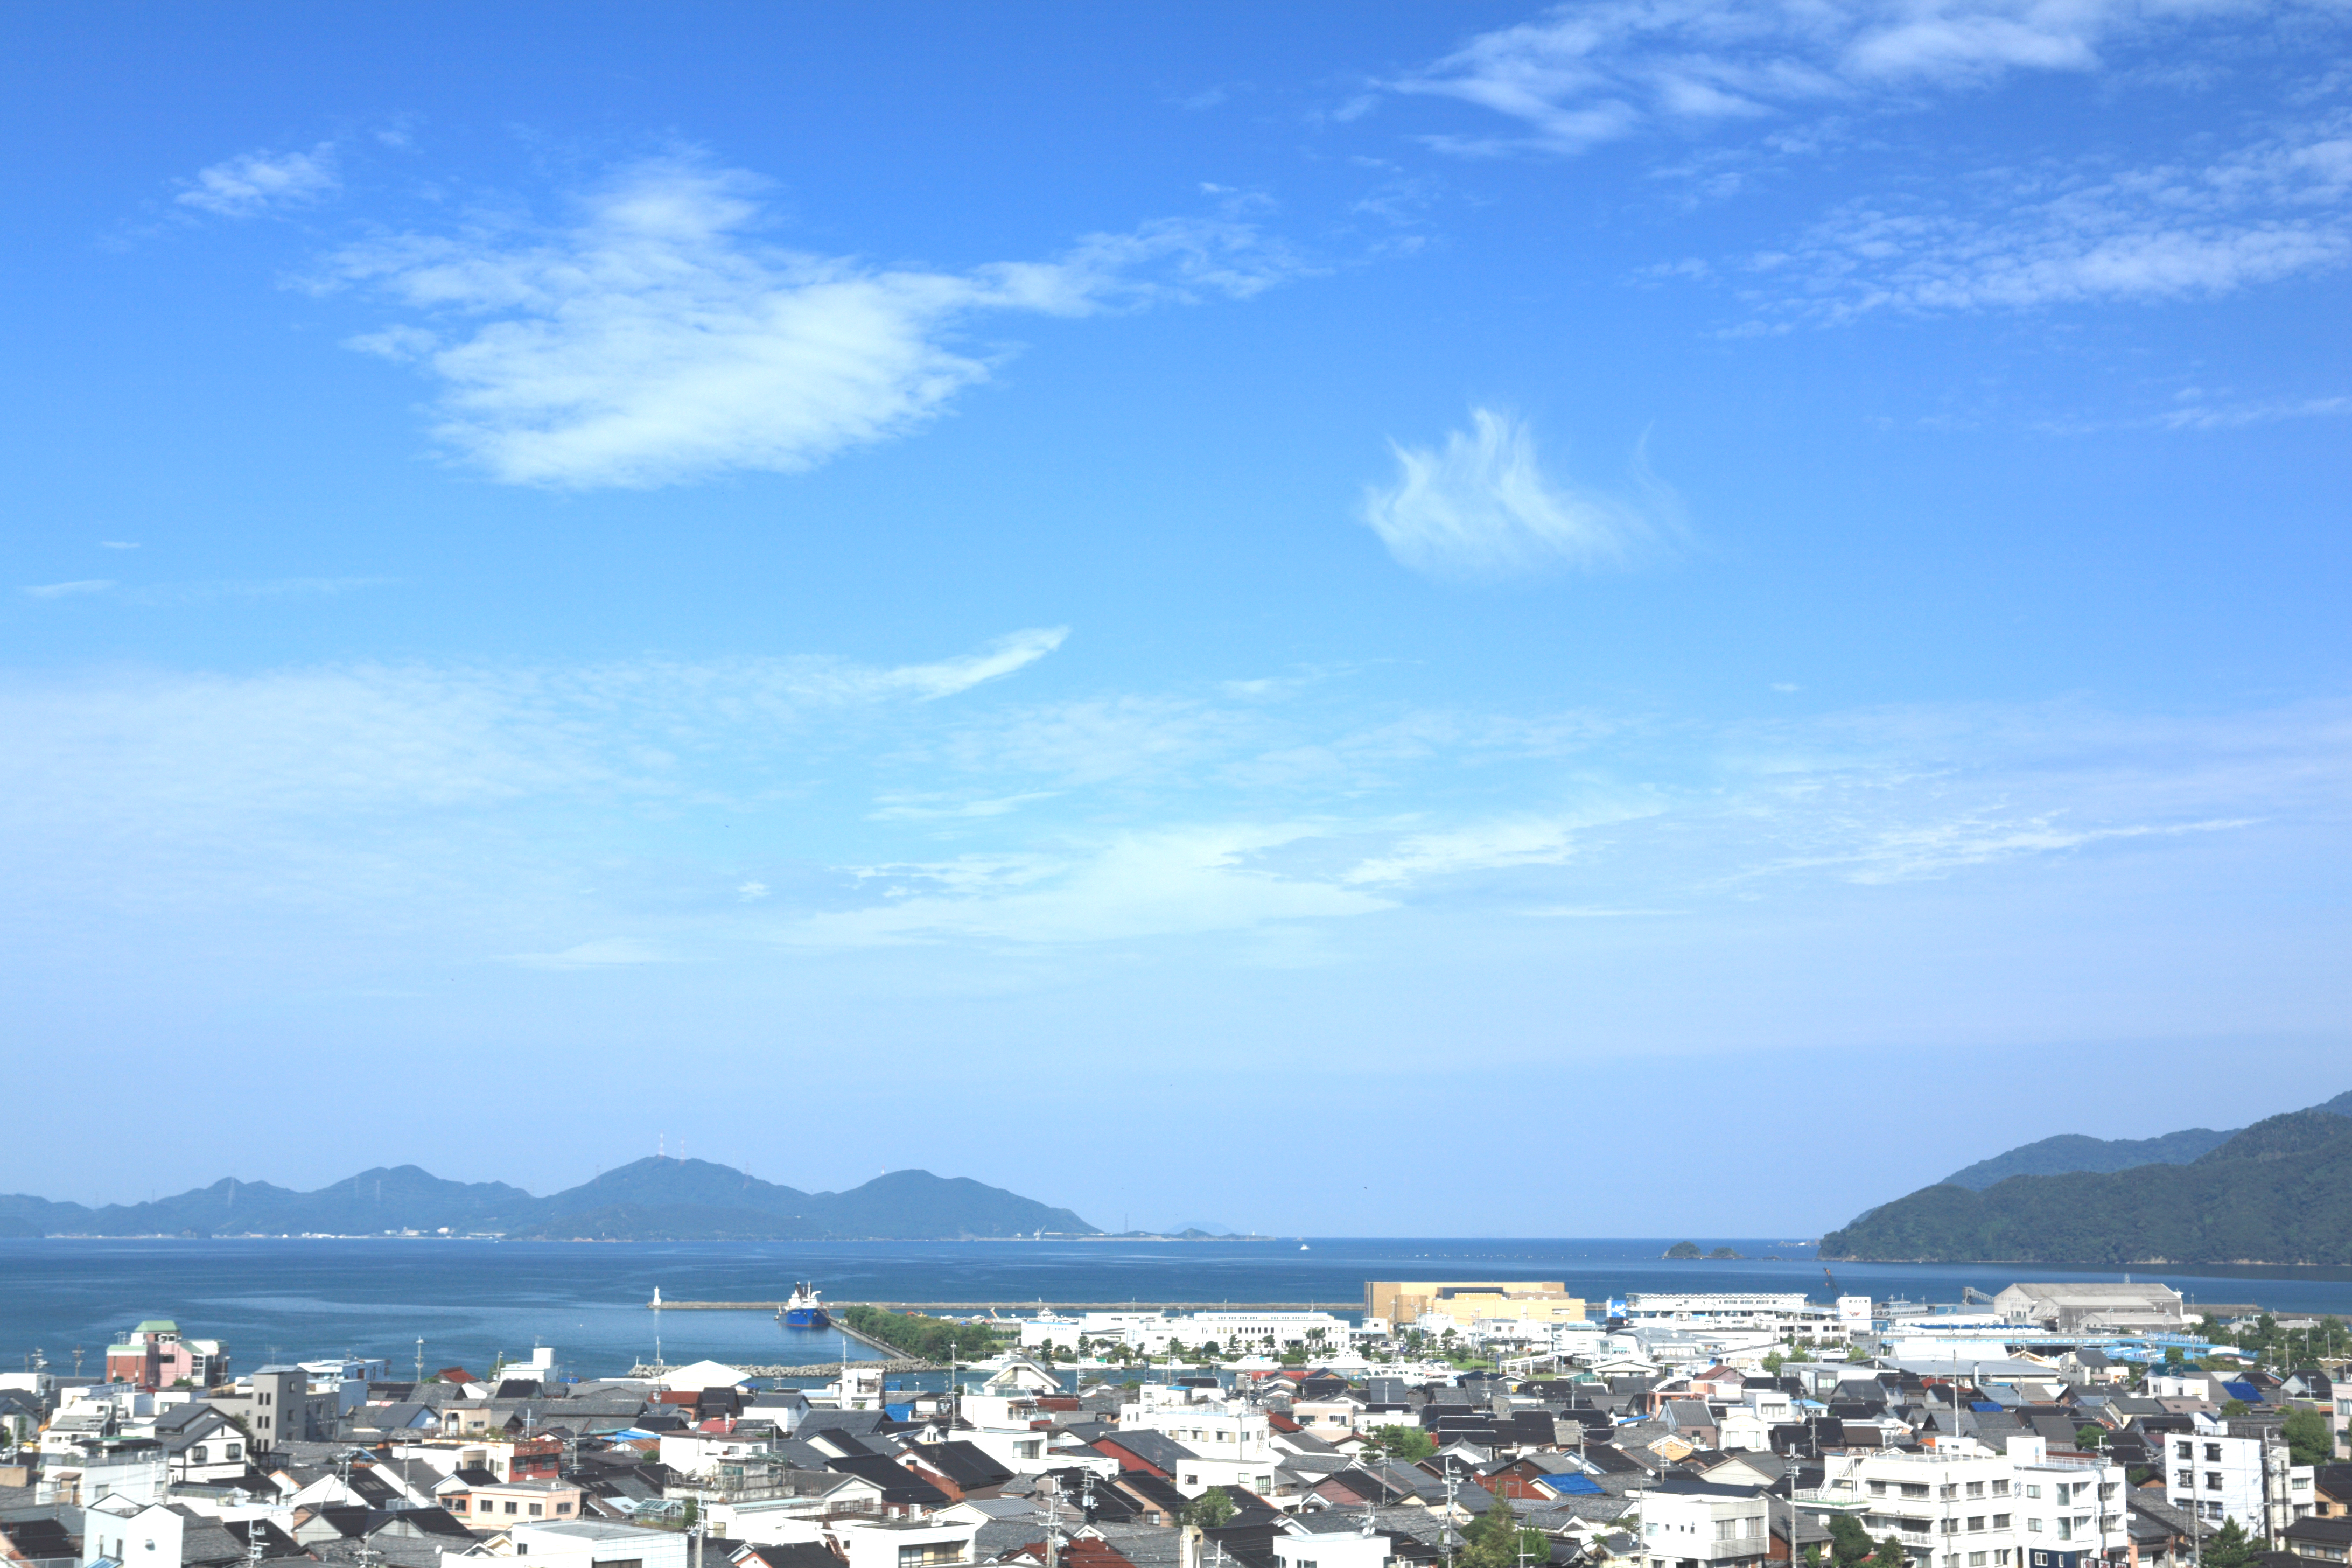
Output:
x,y
2277,1192
653,1199
2073,1152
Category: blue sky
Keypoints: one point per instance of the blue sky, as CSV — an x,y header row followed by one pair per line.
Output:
x,y
1366,619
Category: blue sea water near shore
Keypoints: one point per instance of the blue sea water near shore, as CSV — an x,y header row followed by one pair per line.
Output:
x,y
469,1300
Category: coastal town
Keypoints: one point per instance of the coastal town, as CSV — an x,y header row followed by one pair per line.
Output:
x,y
1498,1424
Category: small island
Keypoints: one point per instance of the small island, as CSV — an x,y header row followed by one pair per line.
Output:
x,y
1686,1251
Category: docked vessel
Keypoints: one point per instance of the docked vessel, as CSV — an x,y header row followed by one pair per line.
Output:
x,y
803,1312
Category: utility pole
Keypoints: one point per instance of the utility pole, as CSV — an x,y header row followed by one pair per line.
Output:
x,y
1451,1481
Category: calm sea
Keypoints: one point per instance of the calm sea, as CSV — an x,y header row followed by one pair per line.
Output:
x,y
470,1301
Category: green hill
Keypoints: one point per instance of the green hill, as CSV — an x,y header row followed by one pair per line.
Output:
x,y
2074,1151
648,1200
2278,1191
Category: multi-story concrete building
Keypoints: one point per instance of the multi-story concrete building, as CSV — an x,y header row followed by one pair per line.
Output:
x,y
1233,1442
1964,1506
1465,1301
1777,1314
1691,1524
277,1404
155,1355
2240,1474
1150,1332
2094,1307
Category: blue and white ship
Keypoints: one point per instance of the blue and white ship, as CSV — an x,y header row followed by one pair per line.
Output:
x,y
803,1312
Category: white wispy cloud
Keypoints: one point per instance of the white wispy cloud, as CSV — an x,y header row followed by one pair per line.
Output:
x,y
371,737
200,592
2202,415
1583,74
938,809
658,339
2263,211
255,183
1481,507
118,544
1168,882
611,815
604,954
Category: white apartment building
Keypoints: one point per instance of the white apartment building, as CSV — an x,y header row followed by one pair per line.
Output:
x,y
1065,1332
2220,1478
1691,1524
1777,1314
1233,1442
1149,1332
581,1543
1963,1505
696,1453
1331,1549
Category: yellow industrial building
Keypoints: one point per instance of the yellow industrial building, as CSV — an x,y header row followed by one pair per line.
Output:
x,y
1403,1301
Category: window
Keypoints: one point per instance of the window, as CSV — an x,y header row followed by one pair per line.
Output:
x,y
1914,1489
1976,1560
563,1507
2186,1451
2034,1491
1878,1488
930,1552
196,1454
1976,1488
2000,1521
1976,1522
534,1510
2001,1487
618,1563
2212,1453
2213,1481
2033,1527
234,1450
2065,1529
1726,1530
2184,1478
510,1506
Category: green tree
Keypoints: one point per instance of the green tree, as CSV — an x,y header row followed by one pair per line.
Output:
x,y
1774,1362
1210,1510
2090,1434
2229,1547
1890,1554
693,1513
1495,1540
2308,1439
918,1334
1849,1543
1406,1443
